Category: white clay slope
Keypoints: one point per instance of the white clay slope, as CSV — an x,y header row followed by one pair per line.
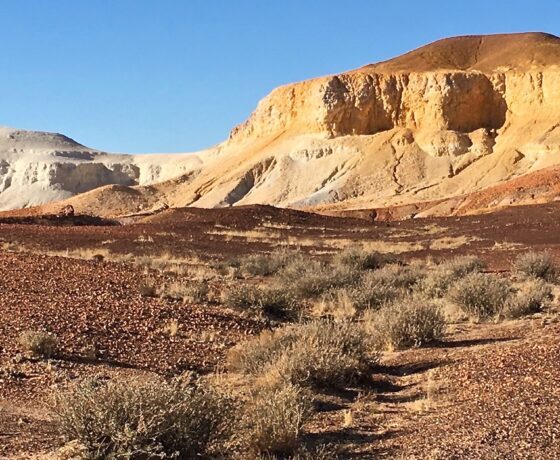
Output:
x,y
449,119
37,168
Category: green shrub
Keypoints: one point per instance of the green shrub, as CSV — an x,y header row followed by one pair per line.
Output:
x,y
39,343
273,419
144,418
273,302
410,322
537,265
319,353
530,299
481,296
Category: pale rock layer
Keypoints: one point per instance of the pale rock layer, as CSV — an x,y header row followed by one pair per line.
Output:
x,y
444,121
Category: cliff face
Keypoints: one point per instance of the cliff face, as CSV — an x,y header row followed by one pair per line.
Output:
x,y
446,120
370,139
366,104
37,168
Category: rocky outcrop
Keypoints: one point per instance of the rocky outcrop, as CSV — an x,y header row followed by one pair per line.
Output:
x,y
366,104
444,121
37,168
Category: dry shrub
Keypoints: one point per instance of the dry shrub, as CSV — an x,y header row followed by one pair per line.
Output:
x,y
196,292
531,298
144,418
39,343
463,265
410,322
273,302
481,296
310,278
356,258
337,304
437,282
537,265
273,420
190,292
321,353
147,289
396,276
373,290
347,302
265,264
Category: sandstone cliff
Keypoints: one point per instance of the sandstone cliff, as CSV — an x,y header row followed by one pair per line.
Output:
x,y
446,120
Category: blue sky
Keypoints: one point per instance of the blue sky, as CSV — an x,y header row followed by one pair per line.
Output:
x,y
172,75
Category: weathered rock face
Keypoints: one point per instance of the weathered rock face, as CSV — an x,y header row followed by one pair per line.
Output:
x,y
478,111
449,119
37,168
365,104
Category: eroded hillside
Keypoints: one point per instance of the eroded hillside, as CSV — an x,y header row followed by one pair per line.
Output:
x,y
439,123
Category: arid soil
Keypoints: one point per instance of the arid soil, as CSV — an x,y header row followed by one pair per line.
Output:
x,y
486,391
226,232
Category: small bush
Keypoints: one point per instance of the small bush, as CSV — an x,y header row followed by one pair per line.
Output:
x,y
39,343
338,304
276,303
368,293
264,264
310,278
147,289
438,281
537,265
481,296
192,291
273,419
412,322
320,353
530,299
463,265
396,276
143,418
357,259
196,292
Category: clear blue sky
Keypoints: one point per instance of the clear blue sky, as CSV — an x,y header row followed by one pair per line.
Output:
x,y
172,75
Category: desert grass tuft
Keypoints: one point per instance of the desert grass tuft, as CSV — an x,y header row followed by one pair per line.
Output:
x,y
531,298
262,301
273,420
39,343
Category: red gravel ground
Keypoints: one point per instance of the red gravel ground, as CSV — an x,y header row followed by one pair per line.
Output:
x,y
487,392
